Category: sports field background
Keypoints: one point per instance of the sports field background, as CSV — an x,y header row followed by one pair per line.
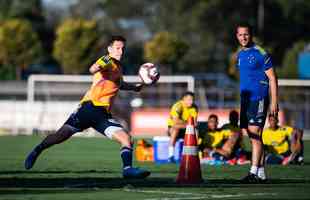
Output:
x,y
90,168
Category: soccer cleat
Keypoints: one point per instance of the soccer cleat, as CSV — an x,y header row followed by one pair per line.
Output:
x,y
252,178
31,159
135,173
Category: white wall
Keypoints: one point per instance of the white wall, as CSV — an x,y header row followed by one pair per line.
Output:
x,y
21,116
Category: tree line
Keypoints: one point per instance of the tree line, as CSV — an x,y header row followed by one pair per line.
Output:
x,y
184,36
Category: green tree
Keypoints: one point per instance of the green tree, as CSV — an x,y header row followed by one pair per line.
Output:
x,y
77,44
289,64
165,48
19,47
19,8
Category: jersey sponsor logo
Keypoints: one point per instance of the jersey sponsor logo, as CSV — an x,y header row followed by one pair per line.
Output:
x,y
264,82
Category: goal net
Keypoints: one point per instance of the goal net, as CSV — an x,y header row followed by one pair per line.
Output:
x,y
294,98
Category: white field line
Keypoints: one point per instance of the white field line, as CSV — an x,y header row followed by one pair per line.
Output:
x,y
192,196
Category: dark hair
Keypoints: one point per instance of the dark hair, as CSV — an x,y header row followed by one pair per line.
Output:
x,y
245,25
188,93
233,115
114,38
213,116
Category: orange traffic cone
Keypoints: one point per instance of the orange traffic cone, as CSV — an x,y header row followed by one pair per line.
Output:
x,y
190,172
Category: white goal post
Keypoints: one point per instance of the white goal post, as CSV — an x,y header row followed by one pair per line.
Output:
x,y
294,82
190,80
88,78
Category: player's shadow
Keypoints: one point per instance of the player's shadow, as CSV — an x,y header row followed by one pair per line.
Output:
x,y
57,172
117,183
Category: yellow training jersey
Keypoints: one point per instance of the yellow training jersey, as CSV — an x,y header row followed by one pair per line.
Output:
x,y
214,139
235,129
106,83
181,112
277,141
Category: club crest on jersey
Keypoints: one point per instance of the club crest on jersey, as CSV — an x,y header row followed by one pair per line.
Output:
x,y
251,59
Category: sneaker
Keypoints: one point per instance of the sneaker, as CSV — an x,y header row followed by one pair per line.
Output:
x,y
252,178
286,160
135,173
31,159
300,160
232,161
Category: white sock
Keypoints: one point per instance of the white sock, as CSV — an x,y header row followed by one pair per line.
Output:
x,y
254,170
171,151
261,173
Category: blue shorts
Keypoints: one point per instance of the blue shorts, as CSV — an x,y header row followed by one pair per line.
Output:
x,y
97,117
253,112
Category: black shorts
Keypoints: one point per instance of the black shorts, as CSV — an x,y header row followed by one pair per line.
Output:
x,y
253,112
97,117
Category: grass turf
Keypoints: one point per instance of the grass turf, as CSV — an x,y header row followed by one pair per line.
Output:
x,y
90,168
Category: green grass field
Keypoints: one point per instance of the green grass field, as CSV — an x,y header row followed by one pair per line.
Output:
x,y
90,168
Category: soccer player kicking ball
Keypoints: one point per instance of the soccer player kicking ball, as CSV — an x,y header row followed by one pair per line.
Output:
x,y
256,75
94,110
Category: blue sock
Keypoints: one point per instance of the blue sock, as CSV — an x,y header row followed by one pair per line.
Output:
x,y
126,155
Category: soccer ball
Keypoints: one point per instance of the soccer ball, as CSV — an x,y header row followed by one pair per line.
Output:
x,y
149,73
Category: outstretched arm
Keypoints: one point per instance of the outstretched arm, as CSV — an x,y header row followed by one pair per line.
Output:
x,y
295,146
101,64
227,148
131,86
95,68
296,141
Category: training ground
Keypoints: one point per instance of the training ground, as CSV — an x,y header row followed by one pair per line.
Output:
x,y
89,168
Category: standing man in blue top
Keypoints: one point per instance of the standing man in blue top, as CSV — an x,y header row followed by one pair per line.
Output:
x,y
258,81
